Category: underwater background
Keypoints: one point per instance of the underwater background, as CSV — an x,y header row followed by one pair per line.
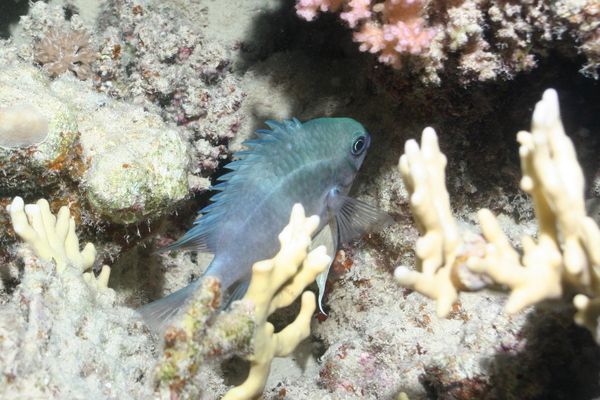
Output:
x,y
127,111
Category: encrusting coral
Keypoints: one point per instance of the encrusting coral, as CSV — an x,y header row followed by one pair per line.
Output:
x,y
565,259
198,340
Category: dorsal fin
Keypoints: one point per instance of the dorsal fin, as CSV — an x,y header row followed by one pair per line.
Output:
x,y
281,130
202,236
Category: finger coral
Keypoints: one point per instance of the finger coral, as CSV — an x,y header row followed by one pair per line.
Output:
x,y
201,336
54,238
564,260
65,52
60,325
276,284
423,174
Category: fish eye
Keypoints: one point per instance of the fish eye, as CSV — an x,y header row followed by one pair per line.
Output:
x,y
358,146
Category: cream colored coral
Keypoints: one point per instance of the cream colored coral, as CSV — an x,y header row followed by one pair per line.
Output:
x,y
54,238
566,257
423,174
276,284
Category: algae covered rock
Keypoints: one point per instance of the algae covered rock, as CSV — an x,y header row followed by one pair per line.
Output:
x,y
137,165
37,128
107,158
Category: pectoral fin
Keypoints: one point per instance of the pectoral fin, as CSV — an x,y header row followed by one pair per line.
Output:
x,y
356,218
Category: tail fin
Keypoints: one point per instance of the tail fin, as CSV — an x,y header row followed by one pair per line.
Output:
x,y
159,314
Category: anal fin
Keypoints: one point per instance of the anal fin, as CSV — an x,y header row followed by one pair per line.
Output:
x,y
328,237
161,313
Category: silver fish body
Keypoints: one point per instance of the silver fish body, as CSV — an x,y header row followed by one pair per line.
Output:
x,y
313,164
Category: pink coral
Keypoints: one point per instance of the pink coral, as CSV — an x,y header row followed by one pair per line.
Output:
x,y
474,40
394,27
65,52
307,9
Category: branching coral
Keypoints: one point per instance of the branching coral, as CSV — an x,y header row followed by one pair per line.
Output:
x,y
423,174
54,238
276,284
201,335
476,39
566,258
397,30
65,52
62,336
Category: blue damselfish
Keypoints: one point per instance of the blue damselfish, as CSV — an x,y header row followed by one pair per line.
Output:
x,y
313,164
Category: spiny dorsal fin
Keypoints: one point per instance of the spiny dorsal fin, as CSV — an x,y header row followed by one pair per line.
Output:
x,y
202,236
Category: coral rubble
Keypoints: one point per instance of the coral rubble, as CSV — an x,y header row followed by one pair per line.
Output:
x,y
152,59
128,164
186,108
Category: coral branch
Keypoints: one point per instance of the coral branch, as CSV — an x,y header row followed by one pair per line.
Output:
x,y
423,174
561,260
54,238
276,284
564,260
202,336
